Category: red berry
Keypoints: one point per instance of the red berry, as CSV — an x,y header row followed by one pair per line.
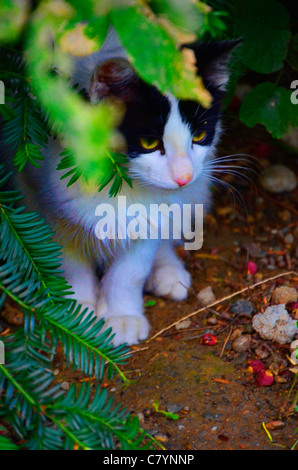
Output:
x,y
256,366
265,378
209,339
250,267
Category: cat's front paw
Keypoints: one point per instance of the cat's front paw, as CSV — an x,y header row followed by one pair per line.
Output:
x,y
169,281
128,329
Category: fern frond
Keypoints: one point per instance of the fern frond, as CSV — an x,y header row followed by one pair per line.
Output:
x,y
30,275
113,170
104,423
25,126
45,417
86,347
5,443
26,241
26,131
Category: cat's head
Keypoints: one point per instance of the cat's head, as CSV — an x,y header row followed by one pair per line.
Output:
x,y
167,140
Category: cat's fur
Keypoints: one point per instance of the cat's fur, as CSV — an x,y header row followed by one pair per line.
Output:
x,y
159,176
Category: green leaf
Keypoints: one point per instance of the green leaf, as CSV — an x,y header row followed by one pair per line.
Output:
x,y
150,303
97,29
263,27
13,15
5,443
184,14
162,63
165,413
271,106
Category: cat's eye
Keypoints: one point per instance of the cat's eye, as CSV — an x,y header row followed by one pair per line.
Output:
x,y
199,137
149,143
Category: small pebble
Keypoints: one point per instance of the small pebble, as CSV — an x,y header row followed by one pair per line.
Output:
x,y
65,386
161,437
254,250
183,325
141,418
241,358
152,432
271,267
206,296
289,238
284,295
241,306
242,343
274,368
278,179
12,316
280,380
208,415
275,425
262,353
174,408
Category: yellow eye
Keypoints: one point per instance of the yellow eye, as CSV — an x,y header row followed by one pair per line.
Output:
x,y
149,143
199,137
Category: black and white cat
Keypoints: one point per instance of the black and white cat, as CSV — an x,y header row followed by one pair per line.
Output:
x,y
168,142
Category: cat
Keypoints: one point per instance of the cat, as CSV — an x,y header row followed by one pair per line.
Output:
x,y
168,143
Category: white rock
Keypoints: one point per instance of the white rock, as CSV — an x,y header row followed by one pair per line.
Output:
x,y
183,324
206,296
65,385
275,324
278,178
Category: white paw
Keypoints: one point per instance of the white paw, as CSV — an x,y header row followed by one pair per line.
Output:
x,y
128,328
170,281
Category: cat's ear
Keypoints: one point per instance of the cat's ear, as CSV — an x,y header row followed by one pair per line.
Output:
x,y
212,60
113,77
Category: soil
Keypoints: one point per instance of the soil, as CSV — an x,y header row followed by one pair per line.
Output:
x,y
219,404
222,406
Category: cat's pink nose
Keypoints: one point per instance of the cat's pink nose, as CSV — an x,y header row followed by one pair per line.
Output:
x,y
183,180
181,169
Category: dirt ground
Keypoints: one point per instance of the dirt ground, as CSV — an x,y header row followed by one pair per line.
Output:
x,y
215,395
221,406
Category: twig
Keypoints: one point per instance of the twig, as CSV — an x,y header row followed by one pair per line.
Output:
x,y
133,351
288,273
225,343
279,203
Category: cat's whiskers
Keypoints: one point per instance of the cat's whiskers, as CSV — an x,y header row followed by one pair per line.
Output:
x,y
235,157
235,193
